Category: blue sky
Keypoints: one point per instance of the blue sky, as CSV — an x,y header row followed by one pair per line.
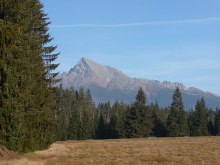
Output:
x,y
172,40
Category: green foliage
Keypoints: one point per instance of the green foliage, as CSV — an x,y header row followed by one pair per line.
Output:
x,y
141,98
65,101
217,123
80,119
26,98
75,111
199,120
139,122
102,128
159,128
177,121
202,116
117,121
103,120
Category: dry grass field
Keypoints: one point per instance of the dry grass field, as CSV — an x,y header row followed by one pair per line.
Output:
x,y
152,151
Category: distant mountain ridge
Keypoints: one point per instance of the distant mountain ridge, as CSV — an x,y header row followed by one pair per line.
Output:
x,y
109,84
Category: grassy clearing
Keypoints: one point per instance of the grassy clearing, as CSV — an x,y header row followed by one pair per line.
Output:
x,y
152,151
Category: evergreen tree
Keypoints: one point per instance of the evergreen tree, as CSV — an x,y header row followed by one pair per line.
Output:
x,y
141,98
200,119
177,122
90,113
65,103
192,123
159,129
211,128
11,107
81,117
139,122
101,130
217,122
103,120
211,122
113,134
89,98
117,120
27,102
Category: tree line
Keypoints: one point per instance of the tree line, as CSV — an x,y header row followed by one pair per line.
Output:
x,y
80,119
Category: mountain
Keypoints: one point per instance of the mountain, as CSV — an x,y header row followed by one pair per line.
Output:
x,y
109,84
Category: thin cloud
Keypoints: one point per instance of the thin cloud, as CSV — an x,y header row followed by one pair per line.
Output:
x,y
136,24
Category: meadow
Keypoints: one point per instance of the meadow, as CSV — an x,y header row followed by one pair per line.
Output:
x,y
152,151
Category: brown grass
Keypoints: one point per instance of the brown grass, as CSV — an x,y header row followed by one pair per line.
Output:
x,y
152,151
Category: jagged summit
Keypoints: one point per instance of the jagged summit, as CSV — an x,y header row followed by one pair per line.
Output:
x,y
90,72
88,64
107,83
83,65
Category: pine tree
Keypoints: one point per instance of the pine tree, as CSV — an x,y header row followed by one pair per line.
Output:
x,y
26,101
193,123
139,122
81,118
90,113
201,119
117,120
65,102
177,122
101,130
217,122
113,134
211,122
74,123
44,101
11,108
159,129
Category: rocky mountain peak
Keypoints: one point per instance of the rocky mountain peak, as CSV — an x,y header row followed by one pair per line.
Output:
x,y
81,67
85,65
109,84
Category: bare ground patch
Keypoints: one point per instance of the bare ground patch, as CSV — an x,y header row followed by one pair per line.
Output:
x,y
5,154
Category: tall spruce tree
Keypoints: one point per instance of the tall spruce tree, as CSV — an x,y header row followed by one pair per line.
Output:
x,y
81,116
139,123
192,122
200,119
159,129
26,101
90,114
103,115
65,103
101,132
177,122
12,110
117,120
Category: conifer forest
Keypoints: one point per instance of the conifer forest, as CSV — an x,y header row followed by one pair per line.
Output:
x,y
34,112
